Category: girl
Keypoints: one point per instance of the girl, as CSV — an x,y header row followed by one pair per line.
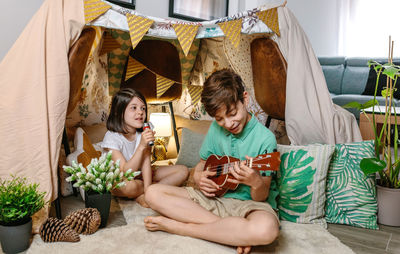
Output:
x,y
129,143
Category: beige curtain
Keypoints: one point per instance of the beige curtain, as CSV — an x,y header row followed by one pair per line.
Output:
x,y
34,80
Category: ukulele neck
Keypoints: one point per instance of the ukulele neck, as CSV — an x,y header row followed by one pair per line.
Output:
x,y
249,163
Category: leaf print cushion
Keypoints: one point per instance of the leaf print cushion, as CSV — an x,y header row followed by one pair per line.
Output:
x,y
350,195
302,182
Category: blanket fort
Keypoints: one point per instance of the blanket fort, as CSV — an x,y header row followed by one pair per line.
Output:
x,y
34,77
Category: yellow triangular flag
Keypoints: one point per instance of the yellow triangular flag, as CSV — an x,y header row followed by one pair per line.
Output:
x,y
99,33
270,18
186,34
195,93
138,27
133,68
163,84
93,9
232,30
109,44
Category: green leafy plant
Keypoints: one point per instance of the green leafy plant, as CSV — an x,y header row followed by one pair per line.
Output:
x,y
386,163
19,200
101,175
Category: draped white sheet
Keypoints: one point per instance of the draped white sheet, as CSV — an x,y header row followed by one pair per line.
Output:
x,y
310,115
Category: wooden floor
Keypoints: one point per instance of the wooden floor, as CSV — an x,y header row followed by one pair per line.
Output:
x,y
361,241
365,241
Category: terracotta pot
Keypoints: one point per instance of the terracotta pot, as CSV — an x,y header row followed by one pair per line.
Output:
x,y
101,202
388,206
16,238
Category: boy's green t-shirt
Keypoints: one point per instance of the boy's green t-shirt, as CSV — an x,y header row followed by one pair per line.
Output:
x,y
255,139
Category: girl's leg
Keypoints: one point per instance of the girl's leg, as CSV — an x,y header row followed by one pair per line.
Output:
x,y
171,175
132,189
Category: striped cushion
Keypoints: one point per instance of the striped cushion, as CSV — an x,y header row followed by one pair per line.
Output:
x,y
302,182
351,196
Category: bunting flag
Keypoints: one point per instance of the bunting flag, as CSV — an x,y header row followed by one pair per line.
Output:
x,y
99,33
270,18
138,27
93,9
163,84
195,93
133,68
186,34
232,30
109,44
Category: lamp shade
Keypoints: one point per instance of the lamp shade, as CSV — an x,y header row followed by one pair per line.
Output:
x,y
162,124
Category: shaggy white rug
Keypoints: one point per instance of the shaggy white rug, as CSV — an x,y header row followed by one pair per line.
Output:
x,y
134,238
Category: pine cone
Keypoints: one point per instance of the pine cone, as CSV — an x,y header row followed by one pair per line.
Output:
x,y
54,230
84,221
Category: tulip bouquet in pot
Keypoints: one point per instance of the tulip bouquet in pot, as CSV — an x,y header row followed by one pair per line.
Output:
x,y
102,175
98,179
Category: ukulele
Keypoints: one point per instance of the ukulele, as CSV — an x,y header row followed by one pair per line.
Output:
x,y
221,164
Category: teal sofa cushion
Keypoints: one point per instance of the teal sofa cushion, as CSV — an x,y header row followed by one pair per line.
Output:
x,y
333,68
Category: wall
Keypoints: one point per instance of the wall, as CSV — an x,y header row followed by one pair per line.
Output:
x,y
14,17
320,21
318,18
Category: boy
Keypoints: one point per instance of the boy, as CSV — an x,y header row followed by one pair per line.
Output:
x,y
241,217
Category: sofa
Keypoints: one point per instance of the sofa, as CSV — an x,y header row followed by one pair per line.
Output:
x,y
346,78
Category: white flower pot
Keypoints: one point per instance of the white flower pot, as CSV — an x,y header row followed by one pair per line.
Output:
x,y
388,206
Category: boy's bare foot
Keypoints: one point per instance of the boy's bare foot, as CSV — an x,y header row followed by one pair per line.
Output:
x,y
243,250
155,223
141,201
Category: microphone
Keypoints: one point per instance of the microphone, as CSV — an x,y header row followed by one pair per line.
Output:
x,y
148,126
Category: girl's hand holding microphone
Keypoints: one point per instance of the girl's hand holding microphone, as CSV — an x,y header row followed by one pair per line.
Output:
x,y
147,139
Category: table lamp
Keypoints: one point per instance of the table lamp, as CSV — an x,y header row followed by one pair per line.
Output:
x,y
163,129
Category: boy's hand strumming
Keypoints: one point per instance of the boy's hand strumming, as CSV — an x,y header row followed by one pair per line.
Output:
x,y
206,185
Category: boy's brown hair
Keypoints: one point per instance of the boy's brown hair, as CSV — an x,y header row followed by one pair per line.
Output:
x,y
223,87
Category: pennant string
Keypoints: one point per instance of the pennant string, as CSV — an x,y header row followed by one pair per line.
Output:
x,y
138,27
232,30
185,35
163,84
195,93
270,18
93,9
133,68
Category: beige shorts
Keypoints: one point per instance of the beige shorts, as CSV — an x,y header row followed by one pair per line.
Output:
x,y
225,207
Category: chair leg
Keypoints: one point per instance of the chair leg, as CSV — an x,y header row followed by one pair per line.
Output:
x,y
268,122
67,152
174,126
57,204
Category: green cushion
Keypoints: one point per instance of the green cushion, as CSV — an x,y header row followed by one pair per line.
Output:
x,y
302,182
351,196
189,149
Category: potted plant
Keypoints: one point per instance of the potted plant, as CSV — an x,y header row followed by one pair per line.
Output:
x,y
100,177
386,162
18,202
